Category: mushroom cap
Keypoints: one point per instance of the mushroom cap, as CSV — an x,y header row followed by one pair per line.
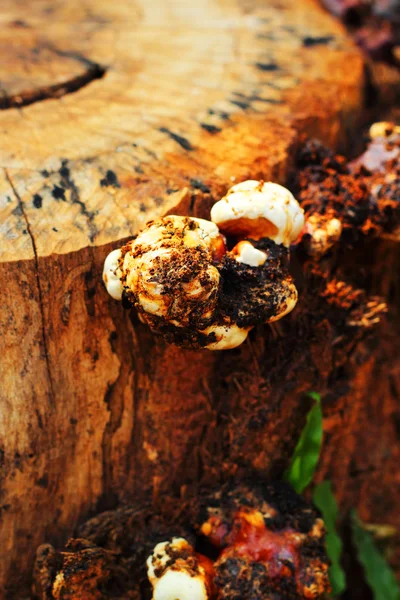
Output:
x,y
168,271
208,230
256,209
244,252
323,232
180,585
213,237
286,301
177,572
383,129
163,554
112,275
228,336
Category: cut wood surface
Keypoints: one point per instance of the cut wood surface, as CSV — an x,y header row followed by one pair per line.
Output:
x,y
113,113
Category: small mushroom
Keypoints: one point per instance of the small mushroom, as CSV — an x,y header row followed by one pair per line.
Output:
x,y
112,275
383,129
177,572
258,210
286,301
227,336
349,200
321,233
244,252
382,150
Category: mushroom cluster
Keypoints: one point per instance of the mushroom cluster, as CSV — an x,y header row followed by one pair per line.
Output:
x,y
246,541
200,289
349,201
268,543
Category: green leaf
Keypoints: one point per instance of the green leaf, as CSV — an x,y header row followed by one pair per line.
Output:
x,y
378,573
325,500
306,454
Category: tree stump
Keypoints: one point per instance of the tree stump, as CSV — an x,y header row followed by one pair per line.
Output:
x,y
112,114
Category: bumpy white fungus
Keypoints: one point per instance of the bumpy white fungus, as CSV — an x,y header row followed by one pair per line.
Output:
x,y
227,336
245,253
324,233
112,275
383,129
256,209
176,572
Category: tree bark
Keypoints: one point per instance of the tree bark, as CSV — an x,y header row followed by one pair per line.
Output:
x,y
114,113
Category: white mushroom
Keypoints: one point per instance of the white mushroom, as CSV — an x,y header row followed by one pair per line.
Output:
x,y
227,336
171,273
287,301
168,270
209,231
256,210
112,275
245,253
176,572
213,237
147,277
324,233
383,129
179,585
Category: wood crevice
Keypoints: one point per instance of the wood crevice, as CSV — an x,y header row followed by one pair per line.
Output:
x,y
93,72
39,286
